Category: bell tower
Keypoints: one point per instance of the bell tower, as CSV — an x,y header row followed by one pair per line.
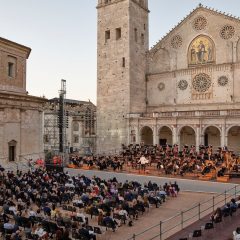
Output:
x,y
122,43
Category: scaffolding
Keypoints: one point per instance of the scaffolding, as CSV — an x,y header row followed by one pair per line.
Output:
x,y
82,112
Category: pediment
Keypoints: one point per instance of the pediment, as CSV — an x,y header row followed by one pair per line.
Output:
x,y
198,19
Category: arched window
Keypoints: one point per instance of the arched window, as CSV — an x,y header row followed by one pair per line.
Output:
x,y
201,51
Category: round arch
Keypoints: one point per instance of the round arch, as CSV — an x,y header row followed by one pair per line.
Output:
x,y
187,136
201,51
160,61
147,135
212,137
165,135
233,134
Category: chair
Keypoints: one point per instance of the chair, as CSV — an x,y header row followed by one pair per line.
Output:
x,y
11,212
116,216
64,207
98,231
80,219
183,238
45,226
24,222
218,220
90,228
80,205
94,212
67,224
53,227
8,233
74,209
75,235
197,233
110,225
208,225
70,208
37,219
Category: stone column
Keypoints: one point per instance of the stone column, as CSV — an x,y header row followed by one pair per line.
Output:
x,y
175,139
197,137
155,135
222,134
137,135
226,138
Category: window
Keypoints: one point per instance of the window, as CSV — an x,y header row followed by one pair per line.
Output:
x,y
118,33
123,62
107,35
76,139
75,126
133,136
12,150
135,34
142,39
10,69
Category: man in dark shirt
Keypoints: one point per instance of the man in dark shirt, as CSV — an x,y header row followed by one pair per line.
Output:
x,y
84,232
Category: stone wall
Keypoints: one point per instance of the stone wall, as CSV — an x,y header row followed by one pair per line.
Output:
x,y
171,76
121,69
23,126
16,54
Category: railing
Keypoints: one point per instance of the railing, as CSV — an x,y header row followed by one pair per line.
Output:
x,y
170,226
233,112
185,114
210,113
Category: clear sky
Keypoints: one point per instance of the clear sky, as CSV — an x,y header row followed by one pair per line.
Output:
x,y
62,35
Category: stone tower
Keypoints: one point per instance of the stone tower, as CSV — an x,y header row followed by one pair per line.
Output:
x,y
121,69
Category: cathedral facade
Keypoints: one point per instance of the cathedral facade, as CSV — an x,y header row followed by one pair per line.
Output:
x,y
185,90
21,115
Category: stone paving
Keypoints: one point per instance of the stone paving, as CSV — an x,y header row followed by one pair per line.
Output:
x,y
192,192
185,200
168,209
221,231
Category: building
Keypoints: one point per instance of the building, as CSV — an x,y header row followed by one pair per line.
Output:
x,y
184,90
21,115
80,134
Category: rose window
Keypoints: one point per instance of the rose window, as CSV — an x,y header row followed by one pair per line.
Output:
x,y
201,82
200,23
227,32
222,81
182,84
176,41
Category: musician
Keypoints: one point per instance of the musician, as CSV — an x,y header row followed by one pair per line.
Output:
x,y
143,161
